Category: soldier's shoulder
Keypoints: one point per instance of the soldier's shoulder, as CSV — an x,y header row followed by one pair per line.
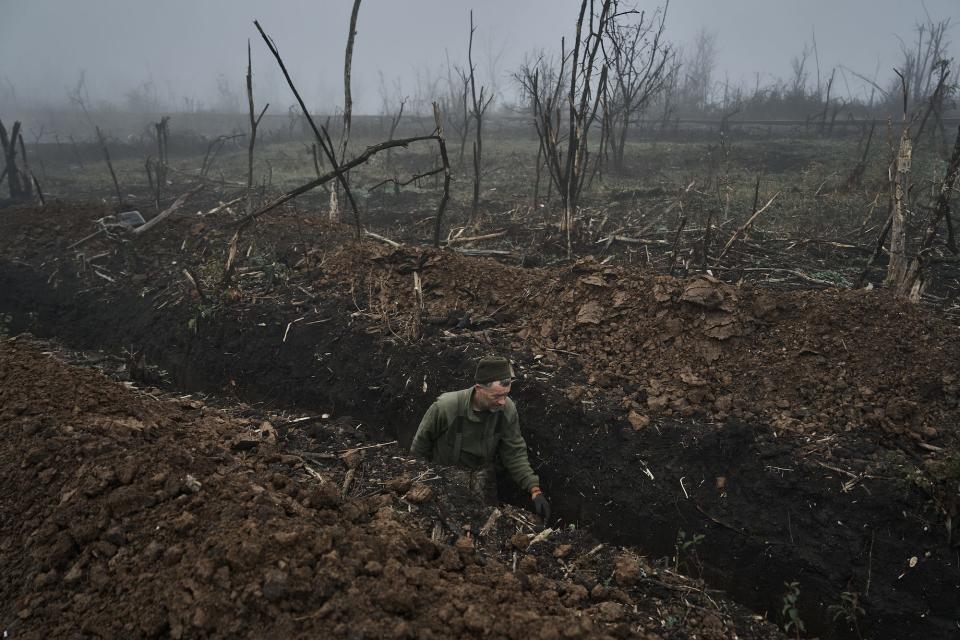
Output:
x,y
451,400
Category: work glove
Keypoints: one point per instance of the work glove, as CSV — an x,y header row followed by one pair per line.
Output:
x,y
540,505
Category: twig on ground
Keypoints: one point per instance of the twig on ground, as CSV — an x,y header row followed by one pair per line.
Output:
x,y
719,522
344,452
347,480
746,225
792,272
488,236
491,521
290,324
163,215
225,205
376,236
86,239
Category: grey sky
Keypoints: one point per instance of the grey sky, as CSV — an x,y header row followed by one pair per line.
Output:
x,y
183,45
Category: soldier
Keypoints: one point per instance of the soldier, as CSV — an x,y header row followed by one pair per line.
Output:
x,y
473,427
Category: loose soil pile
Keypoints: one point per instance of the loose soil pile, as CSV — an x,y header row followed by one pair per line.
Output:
x,y
131,514
804,362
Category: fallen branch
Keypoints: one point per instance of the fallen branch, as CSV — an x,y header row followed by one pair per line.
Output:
x,y
376,236
878,250
104,276
793,272
442,144
225,205
196,286
540,537
345,452
163,215
676,241
717,521
85,239
310,455
347,480
488,236
245,221
746,225
486,252
413,178
627,240
838,245
491,521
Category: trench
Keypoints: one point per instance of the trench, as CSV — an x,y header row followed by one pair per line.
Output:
x,y
751,517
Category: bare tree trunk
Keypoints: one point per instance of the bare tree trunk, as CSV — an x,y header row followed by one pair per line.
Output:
x,y
897,268
316,158
254,123
914,282
620,144
536,183
898,231
676,242
76,152
106,154
855,179
347,106
160,166
480,104
465,130
826,103
446,173
12,172
26,174
394,123
148,169
475,202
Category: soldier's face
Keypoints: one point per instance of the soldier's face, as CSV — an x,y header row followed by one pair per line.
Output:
x,y
492,398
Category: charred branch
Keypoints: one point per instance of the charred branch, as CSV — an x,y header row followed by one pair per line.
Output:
x,y
338,171
442,143
254,124
106,155
14,176
479,104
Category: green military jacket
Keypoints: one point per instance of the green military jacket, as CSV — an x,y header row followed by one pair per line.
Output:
x,y
453,433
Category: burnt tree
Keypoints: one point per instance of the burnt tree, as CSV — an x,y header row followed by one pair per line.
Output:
x,y
347,112
567,157
17,181
639,61
254,124
479,104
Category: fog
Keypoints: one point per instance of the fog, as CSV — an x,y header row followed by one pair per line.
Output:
x,y
189,55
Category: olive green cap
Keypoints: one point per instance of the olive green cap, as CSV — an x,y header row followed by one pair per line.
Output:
x,y
493,368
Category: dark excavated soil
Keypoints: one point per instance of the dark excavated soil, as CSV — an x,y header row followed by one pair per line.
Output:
x,y
807,437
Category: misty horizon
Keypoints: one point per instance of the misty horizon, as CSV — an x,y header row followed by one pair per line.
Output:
x,y
180,57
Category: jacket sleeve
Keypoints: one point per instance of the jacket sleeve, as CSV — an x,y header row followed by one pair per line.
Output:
x,y
427,433
513,454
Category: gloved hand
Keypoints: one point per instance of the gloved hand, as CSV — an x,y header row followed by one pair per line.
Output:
x,y
540,505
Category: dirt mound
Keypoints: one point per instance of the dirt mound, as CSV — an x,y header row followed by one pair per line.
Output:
x,y
134,515
804,362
